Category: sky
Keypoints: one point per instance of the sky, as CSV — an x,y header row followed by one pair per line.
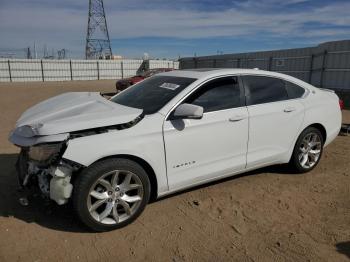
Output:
x,y
172,29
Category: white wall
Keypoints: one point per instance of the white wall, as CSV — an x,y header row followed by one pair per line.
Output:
x,y
23,70
162,64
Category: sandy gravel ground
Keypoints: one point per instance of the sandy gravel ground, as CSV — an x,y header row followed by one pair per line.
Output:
x,y
265,215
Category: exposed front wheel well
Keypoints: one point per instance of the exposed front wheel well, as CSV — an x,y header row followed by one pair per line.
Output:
x,y
149,170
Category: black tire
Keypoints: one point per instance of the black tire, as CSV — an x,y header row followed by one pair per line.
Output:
x,y
90,175
295,162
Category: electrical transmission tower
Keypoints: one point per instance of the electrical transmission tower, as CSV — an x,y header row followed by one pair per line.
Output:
x,y
98,45
61,54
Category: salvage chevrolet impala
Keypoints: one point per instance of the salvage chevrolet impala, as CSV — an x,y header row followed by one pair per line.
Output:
x,y
169,132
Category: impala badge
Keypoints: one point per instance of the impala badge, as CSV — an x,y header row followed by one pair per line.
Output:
x,y
184,164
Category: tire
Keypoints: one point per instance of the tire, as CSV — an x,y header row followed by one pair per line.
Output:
x,y
305,156
22,166
111,194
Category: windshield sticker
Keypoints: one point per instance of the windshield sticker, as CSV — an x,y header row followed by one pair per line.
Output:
x,y
170,86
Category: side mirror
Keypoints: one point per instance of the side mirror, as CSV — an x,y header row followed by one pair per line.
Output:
x,y
188,111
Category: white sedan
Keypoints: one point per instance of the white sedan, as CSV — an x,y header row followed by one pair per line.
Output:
x,y
172,131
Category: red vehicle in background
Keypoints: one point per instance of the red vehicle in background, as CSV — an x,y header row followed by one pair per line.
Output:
x,y
126,82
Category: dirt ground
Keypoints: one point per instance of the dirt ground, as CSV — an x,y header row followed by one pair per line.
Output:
x,y
265,215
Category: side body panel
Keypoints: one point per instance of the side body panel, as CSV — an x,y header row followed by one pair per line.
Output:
x,y
144,140
272,131
320,108
272,137
323,107
198,150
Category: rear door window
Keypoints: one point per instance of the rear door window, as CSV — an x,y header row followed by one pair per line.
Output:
x,y
262,89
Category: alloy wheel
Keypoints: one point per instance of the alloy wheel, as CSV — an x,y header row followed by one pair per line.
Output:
x,y
310,150
115,197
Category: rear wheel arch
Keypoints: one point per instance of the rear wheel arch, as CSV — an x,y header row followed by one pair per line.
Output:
x,y
321,128
294,162
318,126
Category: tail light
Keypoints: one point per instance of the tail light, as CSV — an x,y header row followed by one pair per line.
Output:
x,y
341,104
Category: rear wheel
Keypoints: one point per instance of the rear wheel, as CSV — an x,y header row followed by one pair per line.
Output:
x,y
308,150
111,194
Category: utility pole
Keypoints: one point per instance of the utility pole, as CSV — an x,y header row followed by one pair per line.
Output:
x,y
98,45
29,54
45,52
61,54
35,53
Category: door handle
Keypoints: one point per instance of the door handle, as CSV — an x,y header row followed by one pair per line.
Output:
x,y
236,118
289,109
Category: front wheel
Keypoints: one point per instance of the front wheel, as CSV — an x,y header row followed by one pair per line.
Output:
x,y
111,194
308,150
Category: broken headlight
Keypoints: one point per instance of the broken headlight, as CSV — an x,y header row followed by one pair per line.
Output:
x,y
43,152
28,130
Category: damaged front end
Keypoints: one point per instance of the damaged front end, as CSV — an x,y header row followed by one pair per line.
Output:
x,y
43,133
40,163
42,166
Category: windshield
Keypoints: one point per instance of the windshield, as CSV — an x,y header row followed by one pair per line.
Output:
x,y
152,94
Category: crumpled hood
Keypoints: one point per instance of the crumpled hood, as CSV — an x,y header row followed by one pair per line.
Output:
x,y
74,111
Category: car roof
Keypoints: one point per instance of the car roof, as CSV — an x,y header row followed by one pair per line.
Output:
x,y
205,73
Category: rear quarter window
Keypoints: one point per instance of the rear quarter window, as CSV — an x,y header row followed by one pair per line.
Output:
x,y
293,90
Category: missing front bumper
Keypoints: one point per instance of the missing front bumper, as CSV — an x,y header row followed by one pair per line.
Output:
x,y
52,181
60,186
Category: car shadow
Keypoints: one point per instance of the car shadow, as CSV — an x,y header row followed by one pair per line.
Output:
x,y
48,214
343,248
276,169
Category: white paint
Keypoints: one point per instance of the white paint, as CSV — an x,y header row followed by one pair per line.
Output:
x,y
200,149
184,153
